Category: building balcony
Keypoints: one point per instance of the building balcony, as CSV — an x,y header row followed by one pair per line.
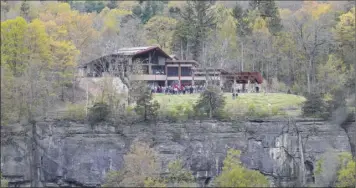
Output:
x,y
204,78
148,77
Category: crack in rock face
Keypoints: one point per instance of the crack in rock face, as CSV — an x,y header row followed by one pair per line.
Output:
x,y
72,154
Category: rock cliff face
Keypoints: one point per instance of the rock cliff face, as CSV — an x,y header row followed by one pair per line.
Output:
x,y
75,154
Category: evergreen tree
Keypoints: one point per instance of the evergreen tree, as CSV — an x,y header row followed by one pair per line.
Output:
x,y
25,10
314,106
197,20
145,107
112,4
254,4
147,9
269,12
211,101
94,6
243,28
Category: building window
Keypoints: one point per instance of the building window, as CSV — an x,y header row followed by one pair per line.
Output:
x,y
145,69
172,71
154,58
158,70
140,60
186,71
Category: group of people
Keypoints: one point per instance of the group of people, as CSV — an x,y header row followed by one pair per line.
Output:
x,y
189,89
176,89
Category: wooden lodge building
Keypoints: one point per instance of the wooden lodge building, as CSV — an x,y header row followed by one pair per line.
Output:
x,y
160,69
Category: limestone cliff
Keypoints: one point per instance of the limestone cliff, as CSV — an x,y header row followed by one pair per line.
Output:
x,y
76,154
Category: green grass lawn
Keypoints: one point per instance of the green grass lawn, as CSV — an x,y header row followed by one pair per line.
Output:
x,y
271,103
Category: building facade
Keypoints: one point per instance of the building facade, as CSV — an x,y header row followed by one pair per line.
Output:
x,y
153,65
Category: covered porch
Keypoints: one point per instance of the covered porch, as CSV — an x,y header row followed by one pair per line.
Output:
x,y
242,81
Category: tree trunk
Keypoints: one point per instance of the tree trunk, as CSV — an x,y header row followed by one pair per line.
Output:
x,y
242,56
187,53
181,49
308,81
73,89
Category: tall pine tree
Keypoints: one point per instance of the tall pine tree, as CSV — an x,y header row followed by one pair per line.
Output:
x,y
112,4
197,20
243,29
269,12
25,10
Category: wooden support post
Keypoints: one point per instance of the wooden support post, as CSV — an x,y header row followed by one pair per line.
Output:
x,y
234,85
150,69
166,82
192,76
149,63
179,74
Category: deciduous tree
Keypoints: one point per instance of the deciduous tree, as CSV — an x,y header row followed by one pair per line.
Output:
x,y
141,164
159,30
235,175
178,176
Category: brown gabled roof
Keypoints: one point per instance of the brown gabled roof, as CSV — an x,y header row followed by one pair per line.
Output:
x,y
246,75
141,50
183,61
134,51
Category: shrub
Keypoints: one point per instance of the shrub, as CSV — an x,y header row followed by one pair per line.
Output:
x,y
314,106
4,182
211,101
334,101
75,112
335,169
251,111
223,115
278,112
180,112
275,111
318,105
99,112
178,176
147,108
154,182
130,114
347,172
